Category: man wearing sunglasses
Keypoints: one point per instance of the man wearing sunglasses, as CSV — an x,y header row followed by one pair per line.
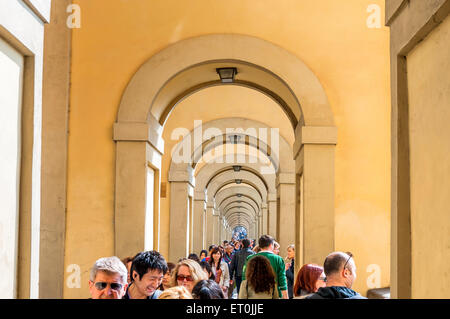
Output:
x,y
108,279
340,272
147,272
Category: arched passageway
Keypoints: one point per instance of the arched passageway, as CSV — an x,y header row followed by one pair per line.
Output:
x,y
185,68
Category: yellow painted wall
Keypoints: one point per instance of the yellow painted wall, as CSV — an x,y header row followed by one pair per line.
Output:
x,y
429,101
331,37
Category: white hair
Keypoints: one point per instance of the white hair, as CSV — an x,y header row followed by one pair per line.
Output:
x,y
111,265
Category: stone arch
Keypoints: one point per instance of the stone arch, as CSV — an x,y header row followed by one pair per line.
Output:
x,y
234,200
245,192
177,69
280,155
181,69
206,173
184,172
218,181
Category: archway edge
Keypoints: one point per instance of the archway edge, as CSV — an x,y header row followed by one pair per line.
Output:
x,y
137,101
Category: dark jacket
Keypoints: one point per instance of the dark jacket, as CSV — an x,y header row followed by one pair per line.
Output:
x,y
238,262
335,292
290,279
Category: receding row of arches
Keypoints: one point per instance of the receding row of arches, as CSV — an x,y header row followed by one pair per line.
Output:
x,y
228,172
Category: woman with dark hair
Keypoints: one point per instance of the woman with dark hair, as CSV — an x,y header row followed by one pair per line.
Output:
x,y
165,284
207,268
309,279
203,255
194,257
207,289
220,269
260,280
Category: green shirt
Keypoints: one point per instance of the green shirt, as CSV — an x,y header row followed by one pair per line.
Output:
x,y
278,267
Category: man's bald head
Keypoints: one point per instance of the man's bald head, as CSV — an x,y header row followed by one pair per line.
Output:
x,y
335,262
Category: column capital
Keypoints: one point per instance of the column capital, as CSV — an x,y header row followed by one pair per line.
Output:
x,y
285,178
182,173
200,196
149,131
271,197
314,135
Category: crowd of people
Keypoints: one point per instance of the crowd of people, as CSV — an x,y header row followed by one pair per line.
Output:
x,y
253,270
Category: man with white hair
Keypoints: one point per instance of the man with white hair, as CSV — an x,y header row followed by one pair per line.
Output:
x,y
340,272
108,279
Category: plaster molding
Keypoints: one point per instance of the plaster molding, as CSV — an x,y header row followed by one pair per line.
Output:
x,y
285,178
326,135
139,132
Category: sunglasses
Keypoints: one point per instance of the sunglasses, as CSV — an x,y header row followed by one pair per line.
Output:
x,y
102,285
182,278
350,255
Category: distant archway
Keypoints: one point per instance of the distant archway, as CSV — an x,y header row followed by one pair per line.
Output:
x,y
189,65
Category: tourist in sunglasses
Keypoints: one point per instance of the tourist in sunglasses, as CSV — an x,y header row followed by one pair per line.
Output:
x,y
340,272
108,279
147,272
187,273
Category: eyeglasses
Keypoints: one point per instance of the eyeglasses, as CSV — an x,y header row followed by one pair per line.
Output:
x,y
102,285
182,278
350,255
324,279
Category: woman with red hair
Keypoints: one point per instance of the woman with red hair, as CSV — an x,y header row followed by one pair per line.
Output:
x,y
309,279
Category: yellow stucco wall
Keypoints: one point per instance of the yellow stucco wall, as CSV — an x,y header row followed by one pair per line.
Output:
x,y
429,100
331,37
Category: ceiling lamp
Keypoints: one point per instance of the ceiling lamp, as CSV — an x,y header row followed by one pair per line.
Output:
x,y
227,74
237,168
238,181
234,139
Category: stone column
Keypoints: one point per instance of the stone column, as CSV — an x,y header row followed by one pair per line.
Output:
x,y
260,223
314,211
286,216
179,220
138,146
209,226
216,226
198,231
55,108
272,217
264,220
204,227
220,229
252,231
181,188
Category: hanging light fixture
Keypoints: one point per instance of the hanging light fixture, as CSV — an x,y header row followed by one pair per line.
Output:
x,y
226,74
237,168
238,181
234,139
